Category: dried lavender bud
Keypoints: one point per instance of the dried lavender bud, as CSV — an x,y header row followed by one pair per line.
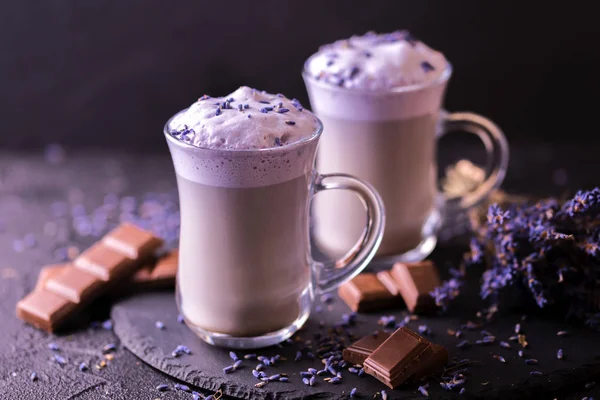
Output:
x,y
520,353
311,381
353,392
590,385
250,357
53,347
237,364
559,354
531,361
306,381
423,390
562,333
505,345
162,387
228,369
159,325
464,344
33,377
536,373
183,388
233,356
499,358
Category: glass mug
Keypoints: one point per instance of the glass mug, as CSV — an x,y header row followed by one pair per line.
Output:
x,y
246,276
389,139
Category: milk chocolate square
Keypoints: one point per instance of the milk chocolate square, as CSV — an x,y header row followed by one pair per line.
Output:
x,y
366,293
414,282
435,363
102,261
44,310
48,272
132,241
74,284
358,351
398,357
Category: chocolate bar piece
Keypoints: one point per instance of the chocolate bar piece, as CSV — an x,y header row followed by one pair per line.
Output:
x,y
92,274
358,351
132,241
435,363
157,276
414,282
48,272
366,293
398,358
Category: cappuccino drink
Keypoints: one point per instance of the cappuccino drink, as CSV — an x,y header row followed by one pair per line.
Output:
x,y
379,97
244,177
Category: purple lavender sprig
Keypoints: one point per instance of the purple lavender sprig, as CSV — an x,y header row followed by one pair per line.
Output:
x,y
547,249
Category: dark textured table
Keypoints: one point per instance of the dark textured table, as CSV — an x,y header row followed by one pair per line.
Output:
x,y
28,188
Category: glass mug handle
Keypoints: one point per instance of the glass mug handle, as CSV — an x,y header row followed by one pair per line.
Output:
x,y
496,148
330,275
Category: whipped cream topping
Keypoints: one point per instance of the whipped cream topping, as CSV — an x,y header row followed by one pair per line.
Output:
x,y
376,61
246,119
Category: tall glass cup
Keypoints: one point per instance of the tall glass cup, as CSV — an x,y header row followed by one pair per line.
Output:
x,y
389,138
246,278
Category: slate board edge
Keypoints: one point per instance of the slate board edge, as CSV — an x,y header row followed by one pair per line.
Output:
x,y
144,348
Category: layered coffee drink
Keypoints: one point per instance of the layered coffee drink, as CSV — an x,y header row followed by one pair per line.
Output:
x,y
244,173
379,97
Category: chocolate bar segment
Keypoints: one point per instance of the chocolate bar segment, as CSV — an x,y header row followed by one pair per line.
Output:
x,y
358,351
73,284
48,272
69,288
398,357
366,293
415,281
435,363
102,261
158,276
132,241
44,310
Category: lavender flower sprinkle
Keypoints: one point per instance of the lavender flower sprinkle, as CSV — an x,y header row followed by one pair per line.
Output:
x,y
237,364
60,360
162,387
562,333
233,356
536,373
33,377
531,361
284,379
250,356
180,319
499,358
590,385
183,388
159,325
353,392
53,346
228,369
559,354
83,367
306,381
423,390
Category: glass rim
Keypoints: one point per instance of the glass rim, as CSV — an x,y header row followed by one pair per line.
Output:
x,y
291,146
443,78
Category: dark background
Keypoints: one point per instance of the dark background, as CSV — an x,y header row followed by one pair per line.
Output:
x,y
110,73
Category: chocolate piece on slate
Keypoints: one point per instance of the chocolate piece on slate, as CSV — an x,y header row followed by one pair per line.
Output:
x,y
415,281
366,293
132,241
388,281
436,362
358,351
44,310
68,289
398,357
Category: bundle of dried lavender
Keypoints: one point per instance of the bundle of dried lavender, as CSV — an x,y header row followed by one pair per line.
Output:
x,y
548,249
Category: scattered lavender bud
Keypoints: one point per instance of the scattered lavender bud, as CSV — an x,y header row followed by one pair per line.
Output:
x,y
228,369
159,325
180,319
237,364
464,344
423,390
513,338
562,333
384,395
306,381
196,396
306,374
518,328
274,377
107,325
284,379
499,358
559,354
353,370
311,380
590,385
321,372
361,372
60,360
233,356
462,391
298,356
521,353
109,348
259,367
335,380
531,361
33,377
332,370
313,371
250,356
256,373
536,373
353,392
53,346
505,345
183,388
83,367
162,387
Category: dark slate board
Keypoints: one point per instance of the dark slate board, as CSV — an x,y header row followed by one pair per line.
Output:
x,y
134,325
